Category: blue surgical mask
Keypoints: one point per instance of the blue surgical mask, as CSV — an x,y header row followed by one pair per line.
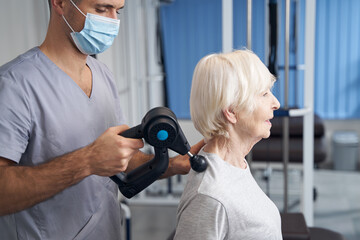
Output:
x,y
97,35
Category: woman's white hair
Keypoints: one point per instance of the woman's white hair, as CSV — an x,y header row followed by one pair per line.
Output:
x,y
226,81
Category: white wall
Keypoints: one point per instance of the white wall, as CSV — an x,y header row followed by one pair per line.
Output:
x,y
23,25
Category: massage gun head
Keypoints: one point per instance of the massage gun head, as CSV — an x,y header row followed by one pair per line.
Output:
x,y
161,129
198,163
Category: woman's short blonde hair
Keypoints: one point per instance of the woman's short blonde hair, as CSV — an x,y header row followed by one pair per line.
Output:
x,y
222,81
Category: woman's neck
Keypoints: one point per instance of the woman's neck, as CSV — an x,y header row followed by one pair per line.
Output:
x,y
232,150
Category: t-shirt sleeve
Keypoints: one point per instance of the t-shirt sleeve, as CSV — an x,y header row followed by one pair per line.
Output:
x,y
14,119
203,218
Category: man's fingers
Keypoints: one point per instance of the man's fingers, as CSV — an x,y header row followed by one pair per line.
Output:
x,y
130,142
134,143
119,129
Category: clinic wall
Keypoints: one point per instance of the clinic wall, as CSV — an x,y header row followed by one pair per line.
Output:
x,y
23,25
337,54
190,30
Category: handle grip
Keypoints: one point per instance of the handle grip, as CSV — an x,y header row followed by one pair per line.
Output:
x,y
138,179
134,132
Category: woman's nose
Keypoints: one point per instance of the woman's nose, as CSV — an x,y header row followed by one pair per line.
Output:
x,y
276,103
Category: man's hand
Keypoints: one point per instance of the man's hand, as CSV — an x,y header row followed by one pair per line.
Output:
x,y
181,164
110,153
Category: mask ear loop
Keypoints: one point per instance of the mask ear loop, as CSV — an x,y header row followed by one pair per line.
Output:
x,y
68,23
77,8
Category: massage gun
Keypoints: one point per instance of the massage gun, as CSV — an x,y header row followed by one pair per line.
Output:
x,y
161,130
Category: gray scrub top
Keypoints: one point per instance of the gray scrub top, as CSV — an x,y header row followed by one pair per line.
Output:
x,y
45,114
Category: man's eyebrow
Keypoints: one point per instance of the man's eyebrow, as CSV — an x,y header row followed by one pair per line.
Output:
x,y
108,6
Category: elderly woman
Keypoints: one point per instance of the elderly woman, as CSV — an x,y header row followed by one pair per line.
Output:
x,y
231,105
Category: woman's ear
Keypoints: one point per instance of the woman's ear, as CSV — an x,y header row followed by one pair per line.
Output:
x,y
230,115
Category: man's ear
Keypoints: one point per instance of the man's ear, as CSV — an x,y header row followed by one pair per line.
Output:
x,y
58,6
230,115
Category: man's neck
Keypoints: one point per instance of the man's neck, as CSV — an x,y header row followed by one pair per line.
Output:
x,y
67,58
71,61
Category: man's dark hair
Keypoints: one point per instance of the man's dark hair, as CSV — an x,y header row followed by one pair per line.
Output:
x,y
75,1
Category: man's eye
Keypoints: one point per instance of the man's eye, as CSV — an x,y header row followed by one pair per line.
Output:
x,y
100,10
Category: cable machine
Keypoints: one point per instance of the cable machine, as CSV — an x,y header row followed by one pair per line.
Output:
x,y
307,112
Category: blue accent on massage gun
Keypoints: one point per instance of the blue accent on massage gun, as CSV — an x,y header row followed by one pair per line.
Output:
x,y
162,135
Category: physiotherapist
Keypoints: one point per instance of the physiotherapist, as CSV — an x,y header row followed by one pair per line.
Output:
x,y
59,131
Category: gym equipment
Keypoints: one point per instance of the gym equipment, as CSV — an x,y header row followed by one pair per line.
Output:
x,y
161,130
294,227
273,25
307,112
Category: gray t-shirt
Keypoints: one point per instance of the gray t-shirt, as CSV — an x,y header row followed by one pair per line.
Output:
x,y
225,202
45,114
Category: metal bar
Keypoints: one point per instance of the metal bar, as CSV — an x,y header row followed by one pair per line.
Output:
x,y
308,128
296,37
127,214
249,24
227,25
285,156
168,200
287,48
286,105
155,92
267,32
249,157
299,112
292,112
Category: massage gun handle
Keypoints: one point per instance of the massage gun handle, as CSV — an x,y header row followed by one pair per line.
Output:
x,y
140,178
134,132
